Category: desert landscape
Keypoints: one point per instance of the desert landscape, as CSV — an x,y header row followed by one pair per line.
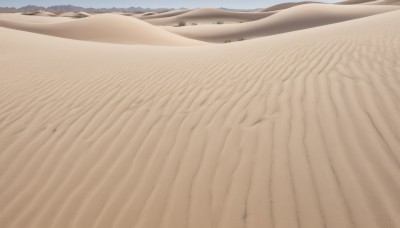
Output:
x,y
282,117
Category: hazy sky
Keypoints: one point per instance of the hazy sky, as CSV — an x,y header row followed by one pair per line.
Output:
x,y
149,3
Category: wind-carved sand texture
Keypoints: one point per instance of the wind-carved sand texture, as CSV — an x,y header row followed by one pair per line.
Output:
x,y
299,129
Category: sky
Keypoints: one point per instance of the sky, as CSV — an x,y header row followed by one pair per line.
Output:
x,y
234,4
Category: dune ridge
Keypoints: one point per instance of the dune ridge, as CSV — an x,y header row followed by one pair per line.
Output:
x,y
285,5
163,14
292,19
209,16
353,2
109,28
75,14
383,2
40,13
17,17
293,130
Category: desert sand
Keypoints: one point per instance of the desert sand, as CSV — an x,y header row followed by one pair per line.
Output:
x,y
108,28
206,16
162,14
17,17
75,14
285,5
297,129
295,18
40,13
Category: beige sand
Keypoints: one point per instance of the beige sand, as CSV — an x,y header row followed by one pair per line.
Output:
x,y
285,5
163,14
295,18
209,16
293,130
40,13
383,2
75,14
17,17
354,2
109,28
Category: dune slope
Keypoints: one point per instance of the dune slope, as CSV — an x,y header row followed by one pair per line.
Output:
x,y
294,130
17,17
285,5
353,2
164,14
209,16
109,28
75,14
40,13
292,19
383,2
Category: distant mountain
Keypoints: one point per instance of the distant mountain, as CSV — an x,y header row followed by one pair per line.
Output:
x,y
64,8
31,8
71,8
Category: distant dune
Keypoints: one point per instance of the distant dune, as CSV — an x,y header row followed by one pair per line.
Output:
x,y
285,5
292,19
40,13
370,2
17,17
75,14
163,14
108,28
101,127
352,2
208,16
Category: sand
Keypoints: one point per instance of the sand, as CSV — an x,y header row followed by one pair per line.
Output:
x,y
285,5
208,16
163,14
370,2
17,17
383,2
40,13
298,129
295,18
75,14
107,28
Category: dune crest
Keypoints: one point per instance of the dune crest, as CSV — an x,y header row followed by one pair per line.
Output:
x,y
163,14
209,16
75,14
40,13
285,5
108,28
292,19
17,17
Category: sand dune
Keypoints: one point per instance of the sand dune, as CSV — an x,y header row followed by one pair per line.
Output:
x,y
286,5
164,14
109,28
295,18
17,17
40,13
148,13
209,16
294,130
75,14
383,2
353,2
